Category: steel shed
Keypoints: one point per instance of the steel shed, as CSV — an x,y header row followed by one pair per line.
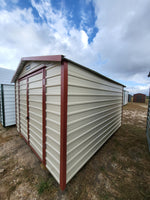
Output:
x,y
125,97
139,98
7,105
129,97
65,112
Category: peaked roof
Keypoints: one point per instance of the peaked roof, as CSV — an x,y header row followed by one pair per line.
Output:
x,y
53,58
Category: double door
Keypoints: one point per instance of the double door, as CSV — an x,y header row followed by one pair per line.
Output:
x,y
32,111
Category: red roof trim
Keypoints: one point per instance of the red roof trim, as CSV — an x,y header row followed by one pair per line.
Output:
x,y
43,58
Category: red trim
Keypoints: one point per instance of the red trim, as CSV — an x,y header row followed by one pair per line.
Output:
x,y
26,77
33,73
43,58
44,115
63,136
27,90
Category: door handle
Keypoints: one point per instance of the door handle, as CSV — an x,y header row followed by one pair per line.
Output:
x,y
27,117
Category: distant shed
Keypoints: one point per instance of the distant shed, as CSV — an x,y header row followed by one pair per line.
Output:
x,y
139,98
129,97
65,112
7,105
125,97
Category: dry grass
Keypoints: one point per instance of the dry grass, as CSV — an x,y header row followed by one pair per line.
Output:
x,y
120,170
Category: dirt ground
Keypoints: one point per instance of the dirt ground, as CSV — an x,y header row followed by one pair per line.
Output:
x,y
120,170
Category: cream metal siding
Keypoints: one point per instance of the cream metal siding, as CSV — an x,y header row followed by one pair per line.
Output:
x,y
53,96
94,114
17,105
23,108
30,67
35,112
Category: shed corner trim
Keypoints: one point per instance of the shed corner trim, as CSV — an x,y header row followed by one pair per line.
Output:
x,y
63,133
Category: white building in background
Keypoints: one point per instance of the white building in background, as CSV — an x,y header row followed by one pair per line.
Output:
x,y
125,97
7,98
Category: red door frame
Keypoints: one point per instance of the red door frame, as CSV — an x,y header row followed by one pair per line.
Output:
x,y
26,77
63,134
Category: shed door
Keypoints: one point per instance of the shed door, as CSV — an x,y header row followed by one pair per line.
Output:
x,y
35,112
32,111
23,108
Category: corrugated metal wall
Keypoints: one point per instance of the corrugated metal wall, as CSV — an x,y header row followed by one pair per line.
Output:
x,y
53,96
94,114
148,125
1,116
140,98
35,113
23,108
125,97
129,97
8,107
9,102
17,106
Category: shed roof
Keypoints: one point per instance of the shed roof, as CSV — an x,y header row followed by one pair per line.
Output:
x,y
54,58
6,75
139,94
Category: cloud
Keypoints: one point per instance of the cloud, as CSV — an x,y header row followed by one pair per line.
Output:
x,y
123,38
120,47
138,89
22,36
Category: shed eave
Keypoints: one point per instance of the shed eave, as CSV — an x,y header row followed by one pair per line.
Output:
x,y
94,72
55,58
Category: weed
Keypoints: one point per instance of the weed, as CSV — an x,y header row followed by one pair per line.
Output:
x,y
102,169
114,158
44,185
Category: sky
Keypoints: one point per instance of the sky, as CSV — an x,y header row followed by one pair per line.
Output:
x,y
110,37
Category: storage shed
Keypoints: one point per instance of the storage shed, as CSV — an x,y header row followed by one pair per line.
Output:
x,y
7,105
125,97
65,112
129,97
139,98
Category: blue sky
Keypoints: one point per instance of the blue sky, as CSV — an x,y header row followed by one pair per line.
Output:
x,y
110,37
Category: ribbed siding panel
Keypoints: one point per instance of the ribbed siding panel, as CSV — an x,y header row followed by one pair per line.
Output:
x,y
35,113
23,108
125,97
94,114
53,92
17,106
9,103
1,115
